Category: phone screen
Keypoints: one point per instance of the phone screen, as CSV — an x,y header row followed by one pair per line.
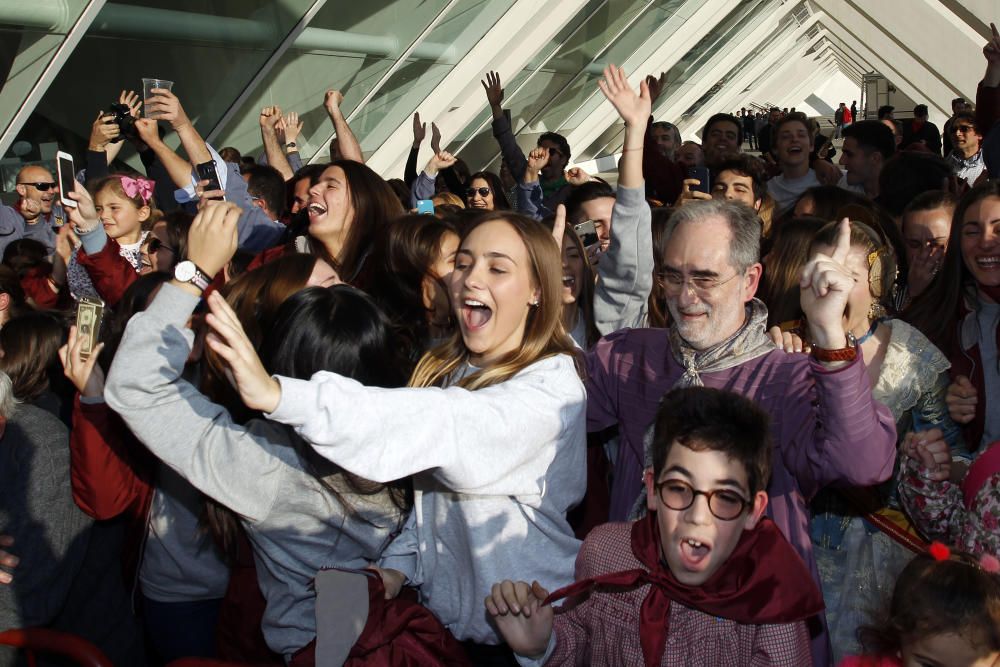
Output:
x,y
66,180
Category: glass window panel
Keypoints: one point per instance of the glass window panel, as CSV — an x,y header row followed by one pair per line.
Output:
x,y
347,47
211,52
450,41
30,35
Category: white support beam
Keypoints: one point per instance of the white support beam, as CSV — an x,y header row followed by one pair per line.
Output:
x,y
459,96
673,48
783,78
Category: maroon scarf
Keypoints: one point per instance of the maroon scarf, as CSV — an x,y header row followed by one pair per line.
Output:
x,y
763,581
992,291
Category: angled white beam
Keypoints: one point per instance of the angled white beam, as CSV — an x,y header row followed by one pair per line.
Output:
x,y
262,73
459,97
703,80
674,46
780,80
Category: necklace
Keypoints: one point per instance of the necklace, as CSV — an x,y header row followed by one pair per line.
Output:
x,y
871,330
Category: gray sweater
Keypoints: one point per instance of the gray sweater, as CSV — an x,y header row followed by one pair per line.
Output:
x,y
625,272
296,526
495,470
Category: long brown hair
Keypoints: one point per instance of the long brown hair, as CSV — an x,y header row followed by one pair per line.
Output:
x,y
935,311
375,203
585,300
544,334
30,345
783,269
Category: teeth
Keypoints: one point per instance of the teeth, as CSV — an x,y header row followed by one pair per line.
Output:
x,y
694,543
568,280
316,208
472,303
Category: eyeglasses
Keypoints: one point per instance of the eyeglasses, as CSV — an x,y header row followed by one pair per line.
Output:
x,y
483,191
722,503
674,282
154,244
964,129
43,187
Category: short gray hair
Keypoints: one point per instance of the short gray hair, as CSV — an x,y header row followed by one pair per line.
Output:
x,y
744,225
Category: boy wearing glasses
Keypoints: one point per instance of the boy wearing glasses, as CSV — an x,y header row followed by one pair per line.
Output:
x,y
703,576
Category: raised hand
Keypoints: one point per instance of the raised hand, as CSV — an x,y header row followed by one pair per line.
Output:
x,y
494,91
577,176
212,237
435,138
332,101
656,86
559,225
632,107
924,267
825,285
930,449
164,105
132,100
66,242
419,130
86,375
961,399
688,195
269,118
992,49
537,159
517,611
102,132
255,385
7,560
439,161
293,126
84,215
147,131
826,172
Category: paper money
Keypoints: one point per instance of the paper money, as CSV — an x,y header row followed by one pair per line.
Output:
x,y
88,324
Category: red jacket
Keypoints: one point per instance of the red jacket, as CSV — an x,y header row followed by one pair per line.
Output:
x,y
110,273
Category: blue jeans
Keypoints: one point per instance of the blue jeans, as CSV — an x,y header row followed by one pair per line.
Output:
x,y
181,629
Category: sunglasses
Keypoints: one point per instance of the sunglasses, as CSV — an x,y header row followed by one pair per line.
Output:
x,y
43,187
154,244
483,191
964,129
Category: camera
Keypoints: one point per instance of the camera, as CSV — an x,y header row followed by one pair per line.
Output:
x,y
125,122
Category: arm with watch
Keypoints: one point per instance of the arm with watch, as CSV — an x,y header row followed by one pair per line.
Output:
x,y
212,242
270,118
845,437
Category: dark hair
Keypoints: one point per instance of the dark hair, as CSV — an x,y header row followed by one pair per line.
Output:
x,y
930,201
830,200
908,174
920,110
969,117
10,284
659,316
30,345
702,418
22,255
747,165
402,191
266,183
500,201
135,300
723,118
374,204
797,117
668,127
789,253
935,311
403,256
885,110
178,226
247,162
933,597
230,154
581,194
585,300
312,172
559,140
872,135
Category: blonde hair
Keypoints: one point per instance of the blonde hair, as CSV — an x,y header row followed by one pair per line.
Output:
x,y
443,198
544,334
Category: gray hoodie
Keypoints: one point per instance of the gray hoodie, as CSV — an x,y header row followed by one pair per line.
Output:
x,y
296,525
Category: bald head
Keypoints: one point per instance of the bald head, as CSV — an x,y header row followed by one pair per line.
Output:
x,y
28,178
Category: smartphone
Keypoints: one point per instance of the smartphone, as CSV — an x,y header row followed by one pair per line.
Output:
x,y
206,172
425,206
705,184
587,231
89,313
67,178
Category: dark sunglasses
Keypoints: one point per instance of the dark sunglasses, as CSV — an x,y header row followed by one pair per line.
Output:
x,y
154,244
964,129
483,191
44,187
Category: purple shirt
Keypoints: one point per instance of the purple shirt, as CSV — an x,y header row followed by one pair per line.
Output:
x,y
827,428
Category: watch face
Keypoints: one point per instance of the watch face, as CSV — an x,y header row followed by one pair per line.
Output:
x,y
184,271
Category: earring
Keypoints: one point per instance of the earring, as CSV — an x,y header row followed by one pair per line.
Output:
x,y
534,304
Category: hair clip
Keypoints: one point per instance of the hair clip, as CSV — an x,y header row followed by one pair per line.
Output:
x,y
989,563
939,551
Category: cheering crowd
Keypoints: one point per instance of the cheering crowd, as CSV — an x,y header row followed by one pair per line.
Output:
x,y
537,419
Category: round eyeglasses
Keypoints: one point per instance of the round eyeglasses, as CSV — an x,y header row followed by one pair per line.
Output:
x,y
722,503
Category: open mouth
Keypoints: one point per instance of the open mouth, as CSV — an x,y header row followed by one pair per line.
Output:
x,y
569,281
478,204
316,210
694,553
989,262
475,314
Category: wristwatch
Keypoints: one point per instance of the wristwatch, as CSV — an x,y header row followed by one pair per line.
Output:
x,y
849,353
291,144
188,272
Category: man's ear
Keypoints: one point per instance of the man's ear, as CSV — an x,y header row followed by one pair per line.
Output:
x,y
752,281
647,480
4,301
757,204
21,190
756,510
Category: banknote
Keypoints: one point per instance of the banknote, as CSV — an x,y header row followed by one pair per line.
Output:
x,y
89,312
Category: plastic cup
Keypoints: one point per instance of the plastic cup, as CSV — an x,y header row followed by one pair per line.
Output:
x,y
147,92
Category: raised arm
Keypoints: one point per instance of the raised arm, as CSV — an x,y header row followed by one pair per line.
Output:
x,y
348,144
512,153
168,107
177,167
634,109
269,119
